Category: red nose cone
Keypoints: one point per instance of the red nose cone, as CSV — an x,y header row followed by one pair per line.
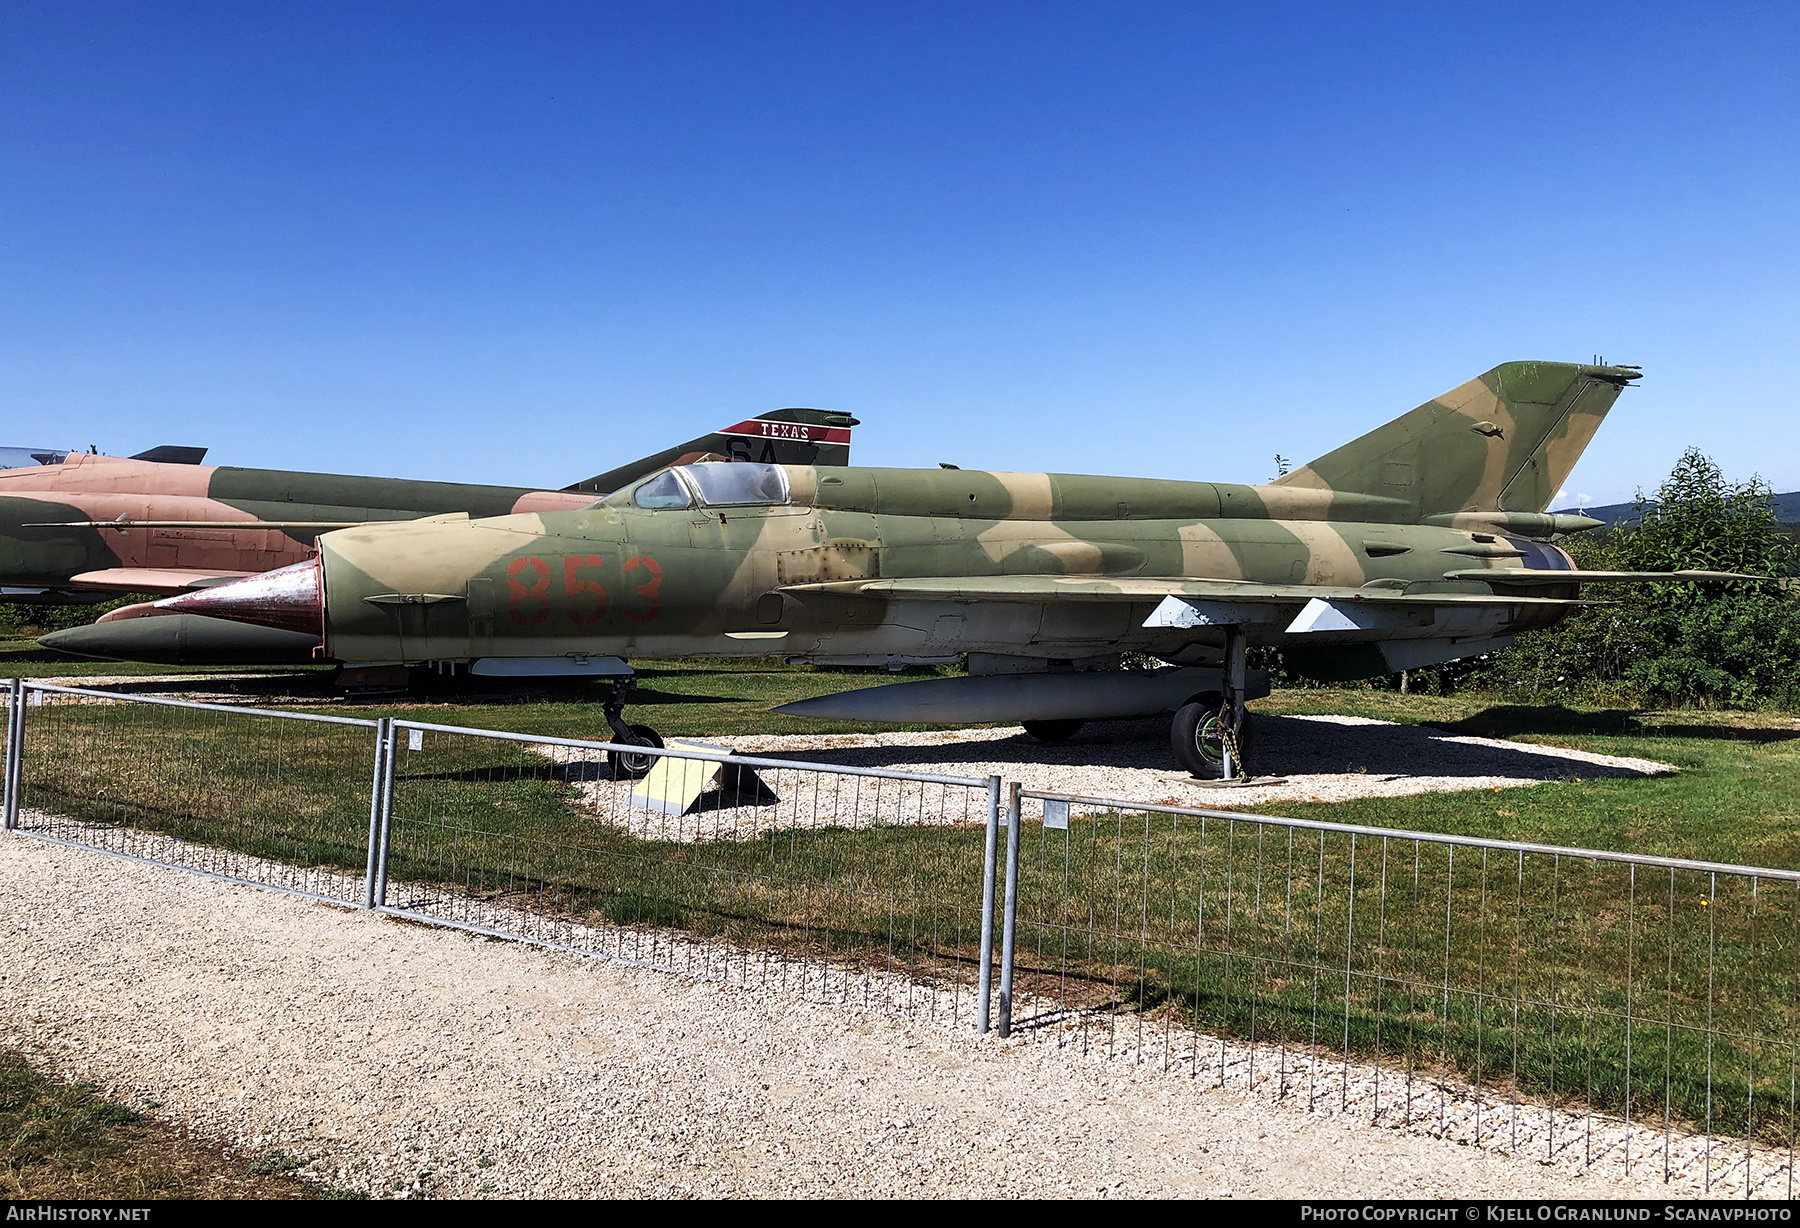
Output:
x,y
291,598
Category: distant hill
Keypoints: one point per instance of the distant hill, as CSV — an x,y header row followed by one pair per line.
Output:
x,y
1787,510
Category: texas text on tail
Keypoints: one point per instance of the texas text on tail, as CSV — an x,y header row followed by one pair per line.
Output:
x,y
1423,541
84,527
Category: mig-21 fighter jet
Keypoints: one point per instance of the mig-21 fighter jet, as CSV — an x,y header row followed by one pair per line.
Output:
x,y
1423,541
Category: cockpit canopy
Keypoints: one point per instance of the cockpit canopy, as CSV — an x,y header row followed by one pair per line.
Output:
x,y
736,483
25,458
716,484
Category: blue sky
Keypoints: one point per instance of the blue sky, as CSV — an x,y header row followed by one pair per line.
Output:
x,y
524,242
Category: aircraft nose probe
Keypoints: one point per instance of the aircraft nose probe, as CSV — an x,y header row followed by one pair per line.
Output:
x,y
291,598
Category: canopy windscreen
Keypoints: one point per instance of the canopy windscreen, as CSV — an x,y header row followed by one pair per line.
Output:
x,y
734,483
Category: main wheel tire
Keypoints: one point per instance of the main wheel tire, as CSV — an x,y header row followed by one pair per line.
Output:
x,y
1053,731
1194,737
628,766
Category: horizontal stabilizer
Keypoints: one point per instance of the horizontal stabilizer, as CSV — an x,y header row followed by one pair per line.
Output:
x,y
153,579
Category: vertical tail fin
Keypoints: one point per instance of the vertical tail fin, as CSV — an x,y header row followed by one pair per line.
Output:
x,y
779,437
1503,442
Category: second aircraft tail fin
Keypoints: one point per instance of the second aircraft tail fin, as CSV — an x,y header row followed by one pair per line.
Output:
x,y
779,437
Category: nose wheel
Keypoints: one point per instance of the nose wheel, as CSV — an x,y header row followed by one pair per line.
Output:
x,y
625,764
630,765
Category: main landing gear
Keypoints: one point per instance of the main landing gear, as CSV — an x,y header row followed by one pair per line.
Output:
x,y
625,764
1212,734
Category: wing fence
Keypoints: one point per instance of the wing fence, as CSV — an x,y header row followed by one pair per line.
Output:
x,y
1576,1006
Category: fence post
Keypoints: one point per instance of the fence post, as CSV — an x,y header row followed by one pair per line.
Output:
x,y
15,737
385,819
384,733
1010,921
984,993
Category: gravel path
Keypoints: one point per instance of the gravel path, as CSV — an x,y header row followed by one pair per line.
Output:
x,y
412,1060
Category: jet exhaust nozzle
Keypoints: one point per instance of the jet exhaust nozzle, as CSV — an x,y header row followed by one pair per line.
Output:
x,y
290,598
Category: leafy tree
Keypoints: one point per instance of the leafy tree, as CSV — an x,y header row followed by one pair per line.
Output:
x,y
1677,643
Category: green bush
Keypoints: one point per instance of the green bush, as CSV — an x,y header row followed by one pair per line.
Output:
x,y
1674,644
26,619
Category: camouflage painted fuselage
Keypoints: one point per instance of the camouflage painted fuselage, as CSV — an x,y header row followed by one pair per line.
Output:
x,y
619,580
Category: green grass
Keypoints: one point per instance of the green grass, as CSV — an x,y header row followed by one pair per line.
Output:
x,y
1736,798
1222,926
64,1140
1561,978
292,791
1620,976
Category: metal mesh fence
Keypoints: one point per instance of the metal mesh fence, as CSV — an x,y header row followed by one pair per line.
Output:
x,y
273,798
839,885
1576,1006
1601,1008
9,771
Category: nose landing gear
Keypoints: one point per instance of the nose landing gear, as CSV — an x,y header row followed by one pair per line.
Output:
x,y
627,765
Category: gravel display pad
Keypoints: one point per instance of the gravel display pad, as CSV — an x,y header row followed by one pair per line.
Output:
x,y
1316,758
407,1060
1321,758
